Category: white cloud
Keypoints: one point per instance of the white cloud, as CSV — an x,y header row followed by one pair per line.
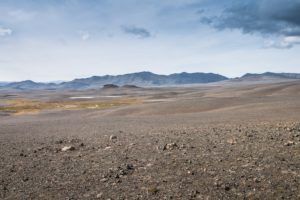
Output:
x,y
292,39
5,32
283,43
85,35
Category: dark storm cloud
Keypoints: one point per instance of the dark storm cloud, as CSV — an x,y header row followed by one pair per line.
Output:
x,y
272,17
136,31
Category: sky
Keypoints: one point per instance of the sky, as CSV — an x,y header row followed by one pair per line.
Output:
x,y
54,40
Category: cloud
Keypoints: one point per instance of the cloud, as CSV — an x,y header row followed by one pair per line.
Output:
x,y
267,17
136,31
85,35
5,32
284,43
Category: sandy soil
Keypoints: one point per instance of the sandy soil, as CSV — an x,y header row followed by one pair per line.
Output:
x,y
231,141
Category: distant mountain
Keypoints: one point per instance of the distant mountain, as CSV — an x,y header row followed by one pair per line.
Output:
x,y
3,83
141,79
144,79
29,85
271,75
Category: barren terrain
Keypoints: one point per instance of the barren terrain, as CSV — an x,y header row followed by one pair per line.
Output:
x,y
217,141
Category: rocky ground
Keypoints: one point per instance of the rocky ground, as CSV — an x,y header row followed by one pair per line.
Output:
x,y
201,155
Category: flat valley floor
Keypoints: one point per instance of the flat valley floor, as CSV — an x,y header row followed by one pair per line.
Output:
x,y
231,140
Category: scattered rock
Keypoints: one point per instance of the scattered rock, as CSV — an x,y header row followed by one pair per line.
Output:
x,y
129,167
170,146
194,193
289,143
25,179
123,170
59,142
107,148
104,180
68,148
227,187
152,190
23,155
113,137
99,195
231,141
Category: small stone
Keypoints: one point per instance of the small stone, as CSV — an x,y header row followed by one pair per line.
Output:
x,y
129,167
191,172
113,137
227,188
152,190
107,148
104,180
99,195
289,143
256,180
170,146
231,141
68,148
25,179
59,142
149,165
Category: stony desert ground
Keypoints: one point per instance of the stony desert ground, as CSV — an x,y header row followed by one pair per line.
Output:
x,y
231,140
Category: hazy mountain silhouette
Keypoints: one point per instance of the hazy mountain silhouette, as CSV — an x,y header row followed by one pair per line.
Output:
x,y
271,75
141,79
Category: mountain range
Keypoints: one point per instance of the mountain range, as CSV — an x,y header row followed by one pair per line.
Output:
x,y
142,79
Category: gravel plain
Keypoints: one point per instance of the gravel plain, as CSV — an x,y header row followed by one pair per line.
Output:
x,y
206,142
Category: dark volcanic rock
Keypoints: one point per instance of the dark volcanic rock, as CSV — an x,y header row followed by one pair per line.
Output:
x,y
110,86
130,86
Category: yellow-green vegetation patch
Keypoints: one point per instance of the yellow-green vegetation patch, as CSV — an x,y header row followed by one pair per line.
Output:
x,y
31,106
